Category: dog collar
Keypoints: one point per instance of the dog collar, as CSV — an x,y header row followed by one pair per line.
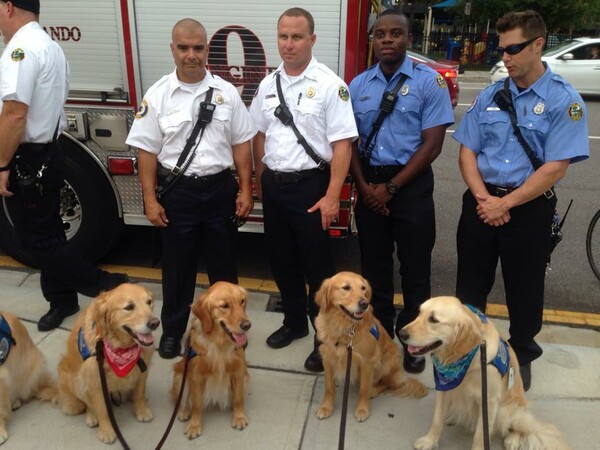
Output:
x,y
6,339
449,376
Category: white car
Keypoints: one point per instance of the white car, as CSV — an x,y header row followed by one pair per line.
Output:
x,y
574,60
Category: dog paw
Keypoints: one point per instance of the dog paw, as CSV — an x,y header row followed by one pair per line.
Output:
x,y
239,422
107,435
324,412
362,414
3,435
144,415
91,420
16,404
425,443
192,431
184,415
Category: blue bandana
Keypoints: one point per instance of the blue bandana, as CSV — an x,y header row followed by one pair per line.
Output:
x,y
448,377
6,340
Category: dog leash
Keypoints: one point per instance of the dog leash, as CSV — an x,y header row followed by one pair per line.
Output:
x,y
346,390
484,396
111,416
179,396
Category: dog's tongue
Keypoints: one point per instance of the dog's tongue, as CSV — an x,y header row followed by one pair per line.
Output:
x,y
240,339
412,349
146,339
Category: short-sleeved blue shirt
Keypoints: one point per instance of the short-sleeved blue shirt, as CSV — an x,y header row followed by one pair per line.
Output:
x,y
552,118
423,102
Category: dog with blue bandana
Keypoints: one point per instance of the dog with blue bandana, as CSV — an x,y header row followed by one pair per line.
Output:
x,y
452,333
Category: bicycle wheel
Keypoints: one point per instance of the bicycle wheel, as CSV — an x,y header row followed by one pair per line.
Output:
x,y
592,244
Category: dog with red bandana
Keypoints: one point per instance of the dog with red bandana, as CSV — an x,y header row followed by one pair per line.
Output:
x,y
119,323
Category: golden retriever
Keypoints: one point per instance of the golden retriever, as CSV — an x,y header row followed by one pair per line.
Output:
x,y
449,331
345,314
217,369
124,319
23,371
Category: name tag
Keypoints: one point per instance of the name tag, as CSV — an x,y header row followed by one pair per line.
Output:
x,y
492,108
270,96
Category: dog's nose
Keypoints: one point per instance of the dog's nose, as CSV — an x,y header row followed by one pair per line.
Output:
x,y
403,334
245,325
153,323
363,304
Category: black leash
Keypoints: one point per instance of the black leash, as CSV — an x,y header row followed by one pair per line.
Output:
x,y
111,416
484,396
179,397
346,391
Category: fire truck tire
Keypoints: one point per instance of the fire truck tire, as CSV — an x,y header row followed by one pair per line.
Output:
x,y
88,209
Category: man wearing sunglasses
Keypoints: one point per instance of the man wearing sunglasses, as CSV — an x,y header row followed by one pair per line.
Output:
x,y
506,214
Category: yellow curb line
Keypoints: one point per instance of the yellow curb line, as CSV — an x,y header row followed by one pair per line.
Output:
x,y
269,286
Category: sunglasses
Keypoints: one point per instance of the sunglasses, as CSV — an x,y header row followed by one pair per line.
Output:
x,y
515,48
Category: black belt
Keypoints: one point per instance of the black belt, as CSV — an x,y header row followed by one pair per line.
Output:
x,y
381,173
499,191
197,181
292,177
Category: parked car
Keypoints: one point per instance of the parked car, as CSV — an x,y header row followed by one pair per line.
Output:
x,y
574,60
447,69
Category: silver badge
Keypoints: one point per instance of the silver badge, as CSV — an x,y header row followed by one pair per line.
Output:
x,y
539,108
3,348
404,90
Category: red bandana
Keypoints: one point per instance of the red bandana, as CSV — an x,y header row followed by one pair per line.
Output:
x,y
122,360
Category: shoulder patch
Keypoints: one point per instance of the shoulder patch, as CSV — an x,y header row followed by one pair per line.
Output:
x,y
575,111
440,81
343,93
473,103
143,110
17,55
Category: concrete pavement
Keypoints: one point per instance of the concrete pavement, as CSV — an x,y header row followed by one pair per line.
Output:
x,y
282,398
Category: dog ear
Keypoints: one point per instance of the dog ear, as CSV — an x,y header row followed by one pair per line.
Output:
x,y
100,311
323,295
201,310
467,334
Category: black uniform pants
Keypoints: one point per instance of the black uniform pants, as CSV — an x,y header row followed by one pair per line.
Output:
x,y
198,218
300,250
411,226
522,246
39,228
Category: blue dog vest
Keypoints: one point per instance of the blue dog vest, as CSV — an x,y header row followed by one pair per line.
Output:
x,y
6,340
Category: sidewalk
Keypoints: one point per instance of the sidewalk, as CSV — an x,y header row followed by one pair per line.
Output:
x,y
282,398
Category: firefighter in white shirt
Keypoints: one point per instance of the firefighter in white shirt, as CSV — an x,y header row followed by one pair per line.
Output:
x,y
34,83
203,206
300,179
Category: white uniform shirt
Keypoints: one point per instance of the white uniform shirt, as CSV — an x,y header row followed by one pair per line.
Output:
x,y
169,112
34,71
319,101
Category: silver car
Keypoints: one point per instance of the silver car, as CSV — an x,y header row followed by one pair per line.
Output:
x,y
578,61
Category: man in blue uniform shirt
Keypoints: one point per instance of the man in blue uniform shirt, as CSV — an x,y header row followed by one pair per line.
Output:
x,y
392,171
505,213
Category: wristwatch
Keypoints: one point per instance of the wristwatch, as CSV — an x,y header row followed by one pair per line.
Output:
x,y
391,187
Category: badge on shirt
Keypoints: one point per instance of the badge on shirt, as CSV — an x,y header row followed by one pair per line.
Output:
x,y
575,111
441,82
143,110
219,99
310,92
404,90
17,55
539,108
343,93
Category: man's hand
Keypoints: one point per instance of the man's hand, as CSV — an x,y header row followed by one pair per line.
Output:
x,y
244,204
4,184
329,207
492,210
375,197
156,213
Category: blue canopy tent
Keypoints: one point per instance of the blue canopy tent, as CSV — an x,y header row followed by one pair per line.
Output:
x,y
445,4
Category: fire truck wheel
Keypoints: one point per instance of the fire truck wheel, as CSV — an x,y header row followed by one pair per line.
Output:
x,y
88,208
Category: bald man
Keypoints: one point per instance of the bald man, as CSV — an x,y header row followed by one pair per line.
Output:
x,y
199,203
